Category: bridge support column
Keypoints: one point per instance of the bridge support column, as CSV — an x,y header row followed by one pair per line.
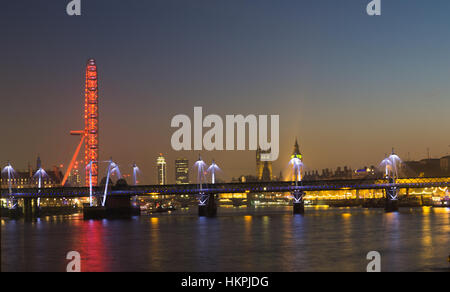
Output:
x,y
207,206
250,200
299,204
391,199
121,206
30,208
116,207
12,203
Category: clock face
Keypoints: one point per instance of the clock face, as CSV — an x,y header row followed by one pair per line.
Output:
x,y
299,156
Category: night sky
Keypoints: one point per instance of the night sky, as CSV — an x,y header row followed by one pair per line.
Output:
x,y
349,86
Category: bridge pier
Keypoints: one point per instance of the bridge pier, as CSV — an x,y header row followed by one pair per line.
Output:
x,y
12,209
299,204
207,206
30,208
116,207
391,199
250,198
391,206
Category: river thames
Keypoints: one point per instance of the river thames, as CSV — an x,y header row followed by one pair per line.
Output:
x,y
238,240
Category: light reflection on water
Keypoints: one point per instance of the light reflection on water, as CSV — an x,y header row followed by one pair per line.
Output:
x,y
265,239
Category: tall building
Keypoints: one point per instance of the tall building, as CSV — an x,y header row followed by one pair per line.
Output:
x,y
296,154
74,178
162,170
182,171
263,168
38,162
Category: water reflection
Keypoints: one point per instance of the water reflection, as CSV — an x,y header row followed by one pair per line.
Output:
x,y
324,239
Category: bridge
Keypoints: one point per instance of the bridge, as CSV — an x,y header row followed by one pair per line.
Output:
x,y
207,192
220,188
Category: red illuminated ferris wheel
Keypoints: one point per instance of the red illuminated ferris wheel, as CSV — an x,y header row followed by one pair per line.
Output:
x,y
90,134
91,121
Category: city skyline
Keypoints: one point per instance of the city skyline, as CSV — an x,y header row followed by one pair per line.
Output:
x,y
341,117
182,169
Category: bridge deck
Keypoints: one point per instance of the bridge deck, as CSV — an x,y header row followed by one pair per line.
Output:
x,y
252,187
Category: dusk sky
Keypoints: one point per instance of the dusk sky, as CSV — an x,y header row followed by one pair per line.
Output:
x,y
348,85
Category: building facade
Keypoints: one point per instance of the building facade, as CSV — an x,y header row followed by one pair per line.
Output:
x,y
445,165
431,167
263,168
74,179
181,171
27,179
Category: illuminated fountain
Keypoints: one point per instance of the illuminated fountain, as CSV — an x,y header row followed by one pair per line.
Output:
x,y
390,166
136,171
297,168
40,174
9,170
201,168
112,169
207,203
396,161
386,166
212,169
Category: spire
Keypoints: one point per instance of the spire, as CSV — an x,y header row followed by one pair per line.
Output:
x,y
38,162
296,147
296,152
